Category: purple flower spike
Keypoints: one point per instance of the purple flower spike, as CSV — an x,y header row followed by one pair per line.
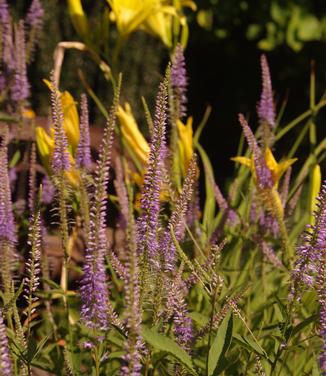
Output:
x,y
20,88
265,108
7,222
178,216
310,267
96,309
5,361
264,175
34,18
7,36
83,157
183,329
48,190
60,159
148,223
179,80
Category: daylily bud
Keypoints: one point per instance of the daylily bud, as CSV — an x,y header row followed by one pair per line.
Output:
x,y
185,143
78,17
314,190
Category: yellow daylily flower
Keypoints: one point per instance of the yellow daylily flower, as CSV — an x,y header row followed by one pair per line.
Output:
x,y
159,24
185,143
45,146
70,117
78,17
152,16
130,14
276,169
131,133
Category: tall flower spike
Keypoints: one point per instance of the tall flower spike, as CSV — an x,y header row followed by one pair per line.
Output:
x,y
264,175
7,36
32,178
83,157
5,361
60,159
310,265
96,308
7,222
179,81
133,344
183,329
265,108
148,222
178,216
32,280
20,88
34,24
34,18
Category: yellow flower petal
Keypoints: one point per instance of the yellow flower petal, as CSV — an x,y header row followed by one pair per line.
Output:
x,y
243,160
78,17
130,14
314,190
270,160
185,142
131,133
70,119
45,145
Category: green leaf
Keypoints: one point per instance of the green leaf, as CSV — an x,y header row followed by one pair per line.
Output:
x,y
249,344
297,329
163,343
15,159
199,318
221,343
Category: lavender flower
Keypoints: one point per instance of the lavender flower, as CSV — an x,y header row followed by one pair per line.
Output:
x,y
7,222
34,24
231,216
95,299
269,253
48,190
20,88
176,304
34,18
179,81
309,267
32,280
83,157
5,361
177,219
60,158
263,174
32,178
265,108
121,192
7,36
150,204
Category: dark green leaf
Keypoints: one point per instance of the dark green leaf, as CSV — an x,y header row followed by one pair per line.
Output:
x,y
163,343
221,343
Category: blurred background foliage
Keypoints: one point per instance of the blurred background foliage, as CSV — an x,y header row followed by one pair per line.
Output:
x,y
225,41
